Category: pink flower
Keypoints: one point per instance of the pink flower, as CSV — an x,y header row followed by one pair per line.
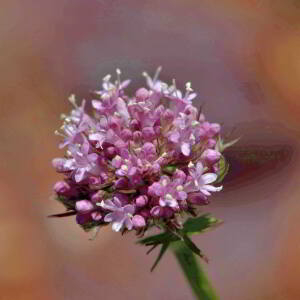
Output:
x,y
201,182
137,158
120,216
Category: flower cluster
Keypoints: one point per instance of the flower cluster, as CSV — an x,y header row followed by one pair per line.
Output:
x,y
138,160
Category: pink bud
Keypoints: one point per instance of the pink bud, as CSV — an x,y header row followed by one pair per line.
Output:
x,y
98,196
110,152
138,221
141,201
96,216
156,211
148,133
211,143
121,183
214,129
84,206
126,134
142,94
168,116
145,213
198,199
178,174
94,180
61,187
134,124
137,135
157,130
211,156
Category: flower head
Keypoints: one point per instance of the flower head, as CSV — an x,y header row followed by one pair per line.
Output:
x,y
142,158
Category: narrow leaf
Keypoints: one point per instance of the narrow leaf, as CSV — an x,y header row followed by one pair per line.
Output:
x,y
162,251
193,272
189,243
158,239
200,224
61,215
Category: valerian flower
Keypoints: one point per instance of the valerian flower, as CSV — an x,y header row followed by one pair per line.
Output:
x,y
138,160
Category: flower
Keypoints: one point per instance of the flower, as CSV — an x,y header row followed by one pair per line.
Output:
x,y
201,182
142,158
120,216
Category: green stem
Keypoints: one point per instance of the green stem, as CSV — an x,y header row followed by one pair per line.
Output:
x,y
193,272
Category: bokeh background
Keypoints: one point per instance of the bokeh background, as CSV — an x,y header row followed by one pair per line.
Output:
x,y
242,56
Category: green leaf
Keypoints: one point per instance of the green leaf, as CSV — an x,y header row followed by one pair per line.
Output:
x,y
162,251
193,272
200,224
224,168
189,243
221,146
170,169
158,239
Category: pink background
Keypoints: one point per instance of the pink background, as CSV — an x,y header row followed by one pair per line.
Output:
x,y
242,56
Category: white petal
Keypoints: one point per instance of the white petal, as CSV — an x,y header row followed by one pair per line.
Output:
x,y
108,204
80,174
209,177
108,217
212,188
185,149
199,168
205,192
128,223
129,209
116,226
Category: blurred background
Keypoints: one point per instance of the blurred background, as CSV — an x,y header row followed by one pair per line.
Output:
x,y
242,57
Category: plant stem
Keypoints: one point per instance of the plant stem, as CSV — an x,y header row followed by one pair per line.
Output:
x,y
193,272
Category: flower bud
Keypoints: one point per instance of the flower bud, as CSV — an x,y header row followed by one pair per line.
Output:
x,y
98,196
214,129
94,180
126,134
156,211
121,183
145,213
141,201
178,174
198,199
211,156
84,206
211,143
134,124
96,216
168,116
62,188
149,149
137,136
110,152
142,94
148,133
138,221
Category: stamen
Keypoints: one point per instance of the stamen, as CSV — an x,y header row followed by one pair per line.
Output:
x,y
124,168
175,88
118,71
169,197
72,99
164,182
107,78
191,165
179,188
56,132
158,70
